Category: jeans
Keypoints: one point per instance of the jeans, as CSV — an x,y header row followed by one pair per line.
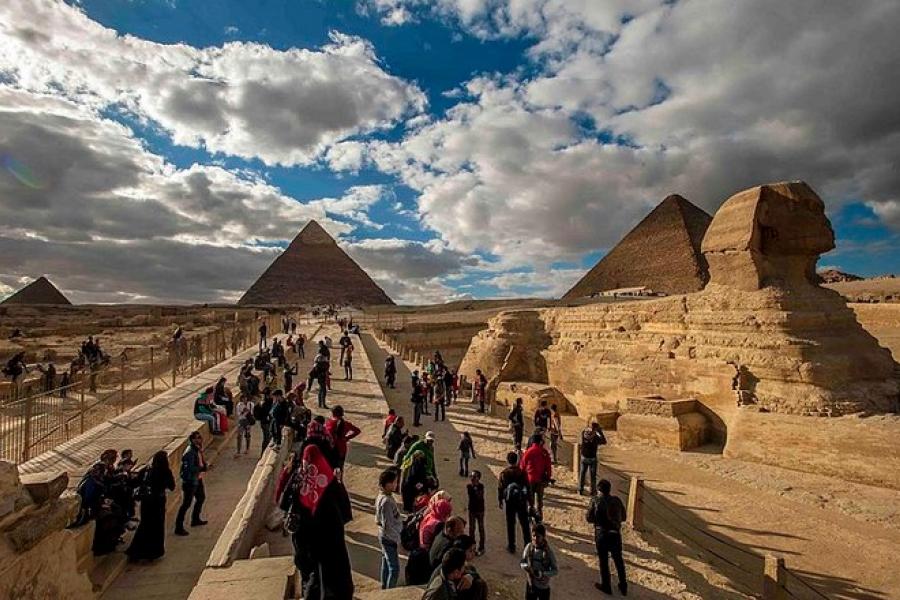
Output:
x,y
518,433
464,465
588,464
440,412
390,564
276,433
537,491
211,419
609,543
554,446
417,414
191,492
477,519
512,514
322,393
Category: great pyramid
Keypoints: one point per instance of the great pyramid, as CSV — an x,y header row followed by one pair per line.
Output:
x,y
314,270
661,253
39,291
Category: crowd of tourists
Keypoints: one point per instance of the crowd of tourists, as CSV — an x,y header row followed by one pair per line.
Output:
x,y
414,513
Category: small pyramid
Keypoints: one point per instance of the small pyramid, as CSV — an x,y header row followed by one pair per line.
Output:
x,y
661,253
314,270
39,291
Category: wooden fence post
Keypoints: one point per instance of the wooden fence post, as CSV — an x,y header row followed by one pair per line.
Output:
x,y
152,374
773,578
122,383
635,514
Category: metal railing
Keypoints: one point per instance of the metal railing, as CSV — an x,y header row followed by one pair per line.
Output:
x,y
38,422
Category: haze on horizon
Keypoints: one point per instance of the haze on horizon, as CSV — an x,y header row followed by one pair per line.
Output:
x,y
167,150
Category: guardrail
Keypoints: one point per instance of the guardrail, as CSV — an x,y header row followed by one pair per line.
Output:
x,y
39,422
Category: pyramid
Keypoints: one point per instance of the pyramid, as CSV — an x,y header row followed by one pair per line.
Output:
x,y
39,291
314,270
661,253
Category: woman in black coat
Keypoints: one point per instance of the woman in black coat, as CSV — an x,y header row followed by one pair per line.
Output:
x,y
149,541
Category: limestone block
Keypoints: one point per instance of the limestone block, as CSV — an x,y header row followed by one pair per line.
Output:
x,y
681,432
45,486
532,395
10,487
48,570
261,551
657,406
54,516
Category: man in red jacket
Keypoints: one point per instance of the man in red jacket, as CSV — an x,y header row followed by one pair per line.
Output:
x,y
341,432
538,466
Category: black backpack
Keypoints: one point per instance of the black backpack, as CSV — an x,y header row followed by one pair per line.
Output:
x,y
409,533
515,494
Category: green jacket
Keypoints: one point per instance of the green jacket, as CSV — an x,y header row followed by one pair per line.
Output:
x,y
429,457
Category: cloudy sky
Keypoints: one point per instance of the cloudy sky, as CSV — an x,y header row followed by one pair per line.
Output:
x,y
165,150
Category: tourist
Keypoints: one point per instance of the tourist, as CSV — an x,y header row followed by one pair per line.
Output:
x,y
539,564
299,346
193,466
341,432
555,430
393,439
49,379
149,539
203,410
293,326
344,342
542,417
414,478
347,353
417,398
439,398
262,412
475,493
222,396
455,385
390,371
606,512
591,439
388,420
517,424
439,509
64,382
538,466
281,417
479,389
245,421
514,497
289,373
15,368
263,330
466,451
400,454
453,528
444,581
387,517
471,586
320,506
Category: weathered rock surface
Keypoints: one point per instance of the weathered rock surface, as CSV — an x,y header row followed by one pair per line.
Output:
x,y
532,394
314,270
661,253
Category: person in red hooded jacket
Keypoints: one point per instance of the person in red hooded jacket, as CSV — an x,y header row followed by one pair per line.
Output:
x,y
341,432
538,467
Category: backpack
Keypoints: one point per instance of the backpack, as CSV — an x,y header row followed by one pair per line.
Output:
x,y
409,533
418,567
515,494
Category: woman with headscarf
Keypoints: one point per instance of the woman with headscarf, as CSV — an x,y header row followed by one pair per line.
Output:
x,y
150,537
320,552
438,511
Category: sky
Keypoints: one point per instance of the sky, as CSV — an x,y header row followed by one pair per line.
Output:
x,y
166,150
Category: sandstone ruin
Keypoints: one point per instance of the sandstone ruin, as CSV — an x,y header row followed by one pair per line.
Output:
x,y
661,253
761,339
39,291
314,270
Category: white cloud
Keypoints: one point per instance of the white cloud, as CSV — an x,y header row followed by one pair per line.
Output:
x,y
241,99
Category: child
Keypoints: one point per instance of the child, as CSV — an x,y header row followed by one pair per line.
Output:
x,y
539,563
475,490
466,451
387,516
244,412
388,420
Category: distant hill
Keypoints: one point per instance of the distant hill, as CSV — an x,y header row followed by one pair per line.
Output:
x,y
835,276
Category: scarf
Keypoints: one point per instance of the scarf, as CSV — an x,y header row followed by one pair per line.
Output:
x,y
315,476
316,430
429,457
